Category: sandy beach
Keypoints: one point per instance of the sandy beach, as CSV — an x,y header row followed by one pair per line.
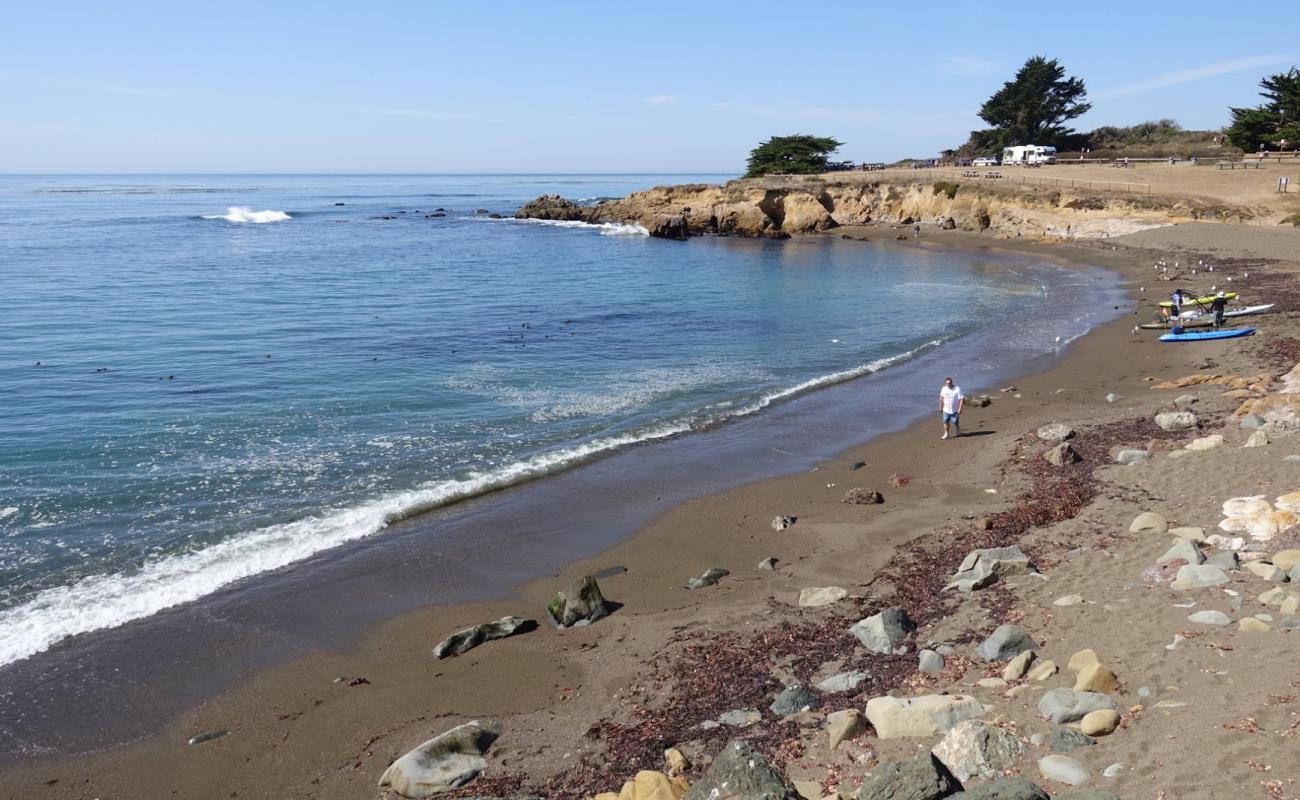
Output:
x,y
583,709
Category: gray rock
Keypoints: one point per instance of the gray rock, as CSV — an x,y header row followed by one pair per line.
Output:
x,y
1224,560
1252,421
1112,397
1006,642
885,631
793,699
1292,458
444,762
1176,420
463,641
1130,457
709,578
1210,618
782,522
976,748
1192,576
929,662
740,717
842,682
1185,550
1185,401
739,772
979,400
920,778
1065,740
1066,705
579,603
1017,788
1062,769
863,497
767,563
1294,575
1113,770
1062,455
982,567
1055,432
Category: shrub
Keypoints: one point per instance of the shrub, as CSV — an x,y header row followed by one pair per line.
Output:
x,y
948,188
1294,219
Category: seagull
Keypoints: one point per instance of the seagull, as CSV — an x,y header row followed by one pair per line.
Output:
x,y
1058,340
1135,330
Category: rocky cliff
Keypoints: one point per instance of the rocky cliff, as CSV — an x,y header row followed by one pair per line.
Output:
x,y
778,208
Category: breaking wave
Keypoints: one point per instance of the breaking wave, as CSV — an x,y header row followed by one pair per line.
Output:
x,y
605,228
244,214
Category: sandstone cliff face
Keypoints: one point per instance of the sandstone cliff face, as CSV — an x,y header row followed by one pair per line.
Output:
x,y
777,210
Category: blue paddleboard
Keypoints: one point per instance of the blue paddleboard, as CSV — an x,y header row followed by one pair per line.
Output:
x,y
1205,336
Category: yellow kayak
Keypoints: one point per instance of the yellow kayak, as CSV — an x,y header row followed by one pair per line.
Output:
x,y
1199,301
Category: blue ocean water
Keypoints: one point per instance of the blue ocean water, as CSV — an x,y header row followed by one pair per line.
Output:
x,y
209,377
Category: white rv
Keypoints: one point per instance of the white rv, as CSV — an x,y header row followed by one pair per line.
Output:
x,y
1028,154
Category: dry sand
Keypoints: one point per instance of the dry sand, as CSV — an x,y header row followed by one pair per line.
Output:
x,y
608,697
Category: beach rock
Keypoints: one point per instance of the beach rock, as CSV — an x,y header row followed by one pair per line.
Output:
x,y
1018,666
767,563
1067,705
1068,600
1113,770
844,725
1184,551
675,762
579,603
738,772
647,785
740,717
929,662
793,699
991,683
1081,659
1275,596
1223,560
1189,533
669,226
926,715
1113,398
710,577
1130,457
1148,522
206,736
1185,401
920,778
1252,625
1290,605
1205,443
1055,432
1100,723
1210,618
981,568
980,401
841,682
1252,421
1014,788
885,631
1067,740
1286,559
1192,576
976,748
1268,572
1257,439
1062,769
1087,794
782,522
463,641
1062,455
1042,671
862,497
1176,420
554,207
444,762
818,596
1005,642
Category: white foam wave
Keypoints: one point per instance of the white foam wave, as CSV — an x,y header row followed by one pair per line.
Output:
x,y
244,214
99,602
605,228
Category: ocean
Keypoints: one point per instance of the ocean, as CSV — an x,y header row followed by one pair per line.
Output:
x,y
211,378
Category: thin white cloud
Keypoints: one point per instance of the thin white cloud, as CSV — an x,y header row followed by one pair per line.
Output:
x,y
415,113
661,99
87,85
1194,74
962,65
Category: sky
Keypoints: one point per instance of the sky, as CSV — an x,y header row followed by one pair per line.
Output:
x,y
668,87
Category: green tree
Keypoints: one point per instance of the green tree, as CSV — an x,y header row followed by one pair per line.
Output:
x,y
1032,107
1275,121
795,155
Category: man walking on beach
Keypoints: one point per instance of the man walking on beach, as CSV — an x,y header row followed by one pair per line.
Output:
x,y
950,402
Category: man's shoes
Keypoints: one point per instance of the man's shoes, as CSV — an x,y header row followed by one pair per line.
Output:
x,y
945,435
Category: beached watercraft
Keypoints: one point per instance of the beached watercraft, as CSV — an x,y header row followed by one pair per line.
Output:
x,y
1205,336
1202,319
1193,302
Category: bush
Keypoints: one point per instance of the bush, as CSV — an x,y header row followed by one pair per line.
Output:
x,y
1294,219
948,188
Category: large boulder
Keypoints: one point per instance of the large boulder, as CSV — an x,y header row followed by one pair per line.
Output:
x,y
885,631
554,207
976,748
738,772
927,715
1066,705
1176,420
579,603
920,778
982,567
463,641
444,762
1006,642
669,226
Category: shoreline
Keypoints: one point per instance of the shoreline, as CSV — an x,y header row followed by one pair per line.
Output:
x,y
659,558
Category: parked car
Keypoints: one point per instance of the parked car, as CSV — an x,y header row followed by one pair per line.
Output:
x,y
985,161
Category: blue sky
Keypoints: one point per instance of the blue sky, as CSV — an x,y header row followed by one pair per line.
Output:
x,y
581,87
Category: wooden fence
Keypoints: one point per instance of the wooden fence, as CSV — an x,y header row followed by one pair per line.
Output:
x,y
1009,176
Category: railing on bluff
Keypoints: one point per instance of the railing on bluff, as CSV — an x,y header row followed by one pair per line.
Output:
x,y
999,176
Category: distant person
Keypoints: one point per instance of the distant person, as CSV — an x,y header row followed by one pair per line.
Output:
x,y
1219,307
951,401
917,229
1177,299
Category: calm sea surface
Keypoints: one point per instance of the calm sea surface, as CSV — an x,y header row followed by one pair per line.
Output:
x,y
203,378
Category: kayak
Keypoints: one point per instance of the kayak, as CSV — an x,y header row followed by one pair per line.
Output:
x,y
1232,312
1206,336
1201,320
1199,301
